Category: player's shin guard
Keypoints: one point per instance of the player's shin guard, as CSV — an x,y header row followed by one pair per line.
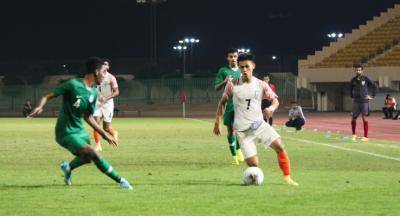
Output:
x,y
365,129
106,168
284,163
232,144
76,162
353,126
97,137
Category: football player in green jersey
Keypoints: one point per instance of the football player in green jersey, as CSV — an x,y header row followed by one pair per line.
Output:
x,y
79,100
226,74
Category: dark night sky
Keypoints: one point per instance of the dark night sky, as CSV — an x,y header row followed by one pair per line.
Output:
x,y
120,28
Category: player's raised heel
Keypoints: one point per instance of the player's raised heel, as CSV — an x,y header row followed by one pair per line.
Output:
x,y
124,184
67,172
97,147
289,181
235,160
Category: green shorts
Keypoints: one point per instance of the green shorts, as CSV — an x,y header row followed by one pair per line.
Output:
x,y
228,118
73,142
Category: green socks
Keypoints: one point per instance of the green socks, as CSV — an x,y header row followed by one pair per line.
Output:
x,y
76,162
232,144
106,168
237,143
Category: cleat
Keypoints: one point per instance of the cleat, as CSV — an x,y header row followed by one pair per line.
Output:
x,y
67,172
289,181
353,137
365,139
124,184
235,160
240,155
98,147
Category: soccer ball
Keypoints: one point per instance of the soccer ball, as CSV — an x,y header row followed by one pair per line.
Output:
x,y
253,176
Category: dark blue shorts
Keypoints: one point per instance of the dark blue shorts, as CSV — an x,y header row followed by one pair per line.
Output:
x,y
360,108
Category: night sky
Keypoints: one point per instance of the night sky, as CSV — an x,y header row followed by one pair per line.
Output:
x,y
121,28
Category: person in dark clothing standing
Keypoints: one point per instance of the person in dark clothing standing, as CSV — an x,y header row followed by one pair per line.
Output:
x,y
359,86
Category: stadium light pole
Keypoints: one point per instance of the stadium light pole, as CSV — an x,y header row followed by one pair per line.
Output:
x,y
182,50
189,42
243,50
153,26
335,36
275,58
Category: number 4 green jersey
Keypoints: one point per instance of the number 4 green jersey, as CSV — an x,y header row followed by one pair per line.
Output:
x,y
221,76
77,100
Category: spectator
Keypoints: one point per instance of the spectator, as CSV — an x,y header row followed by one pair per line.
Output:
x,y
296,116
27,108
390,107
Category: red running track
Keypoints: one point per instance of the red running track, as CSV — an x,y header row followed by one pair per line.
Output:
x,y
383,129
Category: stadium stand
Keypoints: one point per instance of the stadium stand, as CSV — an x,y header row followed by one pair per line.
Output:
x,y
375,44
367,47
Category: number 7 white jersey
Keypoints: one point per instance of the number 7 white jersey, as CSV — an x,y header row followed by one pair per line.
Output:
x,y
247,99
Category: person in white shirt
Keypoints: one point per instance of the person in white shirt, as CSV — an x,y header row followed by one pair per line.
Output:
x,y
296,116
108,89
249,124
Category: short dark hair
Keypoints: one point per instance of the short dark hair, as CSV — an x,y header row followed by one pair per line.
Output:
x,y
231,50
93,63
293,102
359,66
266,75
246,57
107,60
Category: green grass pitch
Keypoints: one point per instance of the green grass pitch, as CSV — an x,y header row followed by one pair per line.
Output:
x,y
179,168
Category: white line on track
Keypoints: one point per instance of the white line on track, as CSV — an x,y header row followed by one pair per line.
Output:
x,y
344,148
325,144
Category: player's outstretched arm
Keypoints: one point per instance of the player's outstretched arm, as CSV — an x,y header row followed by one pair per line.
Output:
x,y
39,109
269,111
222,84
92,122
218,115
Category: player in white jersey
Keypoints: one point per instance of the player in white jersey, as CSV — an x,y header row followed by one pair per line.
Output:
x,y
249,124
108,89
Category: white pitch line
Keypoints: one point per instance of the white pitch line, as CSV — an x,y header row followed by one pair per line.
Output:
x,y
327,145
344,148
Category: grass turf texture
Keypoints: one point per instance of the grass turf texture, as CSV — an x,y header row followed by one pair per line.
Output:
x,y
178,168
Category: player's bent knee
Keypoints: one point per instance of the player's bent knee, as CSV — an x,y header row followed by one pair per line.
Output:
x,y
277,145
252,161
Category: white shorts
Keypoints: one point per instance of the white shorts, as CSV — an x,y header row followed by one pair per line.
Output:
x,y
264,134
106,112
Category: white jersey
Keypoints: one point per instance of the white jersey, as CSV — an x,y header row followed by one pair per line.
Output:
x,y
106,88
247,99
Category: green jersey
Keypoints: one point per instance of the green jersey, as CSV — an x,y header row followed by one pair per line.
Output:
x,y
221,76
78,99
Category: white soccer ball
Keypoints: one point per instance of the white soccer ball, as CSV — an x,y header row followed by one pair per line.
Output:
x,y
253,176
